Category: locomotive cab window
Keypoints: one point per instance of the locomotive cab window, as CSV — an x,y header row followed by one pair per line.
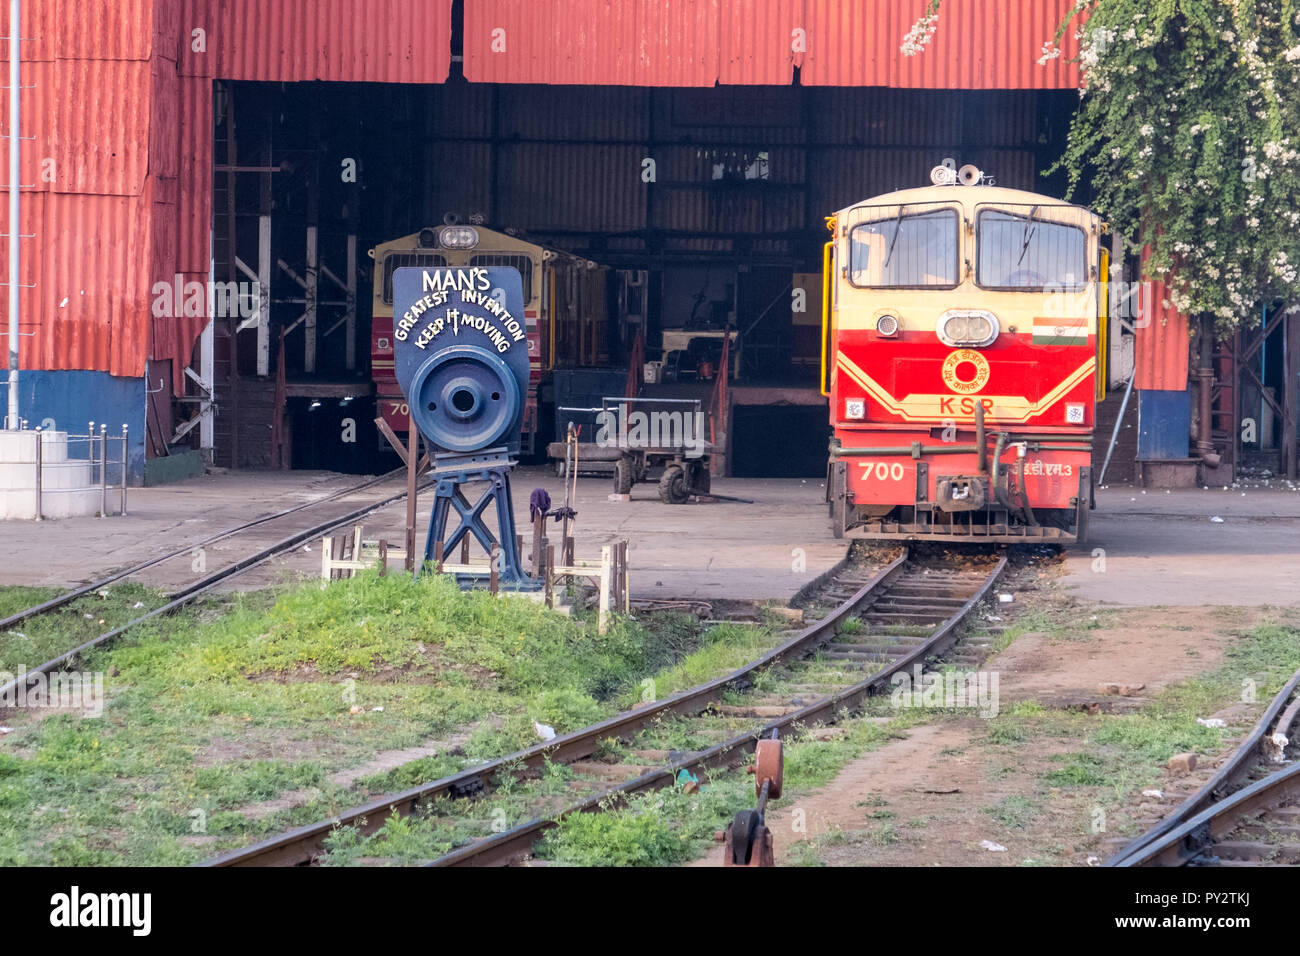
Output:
x,y
905,251
1026,252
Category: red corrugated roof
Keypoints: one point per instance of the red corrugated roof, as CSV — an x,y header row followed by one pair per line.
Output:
x,y
597,42
980,44
286,41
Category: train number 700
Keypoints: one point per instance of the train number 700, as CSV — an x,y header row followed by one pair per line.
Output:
x,y
882,471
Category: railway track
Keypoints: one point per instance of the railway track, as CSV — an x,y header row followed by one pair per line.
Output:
x,y
1248,814
295,535
872,626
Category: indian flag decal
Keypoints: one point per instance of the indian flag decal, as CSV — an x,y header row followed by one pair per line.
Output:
x,y
1063,330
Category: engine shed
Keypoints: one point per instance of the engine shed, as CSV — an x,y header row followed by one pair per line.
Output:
x,y
203,199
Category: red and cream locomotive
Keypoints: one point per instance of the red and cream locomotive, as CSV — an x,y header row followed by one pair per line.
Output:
x,y
963,336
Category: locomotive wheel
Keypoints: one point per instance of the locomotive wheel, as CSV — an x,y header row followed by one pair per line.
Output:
x,y
623,477
672,486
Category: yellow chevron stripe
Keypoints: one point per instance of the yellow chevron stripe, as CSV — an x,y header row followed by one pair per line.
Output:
x,y
1013,409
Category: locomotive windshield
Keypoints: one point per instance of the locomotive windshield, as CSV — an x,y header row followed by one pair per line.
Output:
x,y
1025,252
905,251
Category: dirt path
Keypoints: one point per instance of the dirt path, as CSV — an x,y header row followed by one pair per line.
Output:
x,y
951,794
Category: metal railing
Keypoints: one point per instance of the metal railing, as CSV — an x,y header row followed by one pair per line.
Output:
x,y
102,464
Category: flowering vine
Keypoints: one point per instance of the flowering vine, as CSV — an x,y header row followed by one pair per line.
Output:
x,y
1188,130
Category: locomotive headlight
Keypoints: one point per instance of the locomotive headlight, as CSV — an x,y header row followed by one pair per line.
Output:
x,y
887,325
458,237
967,328
855,408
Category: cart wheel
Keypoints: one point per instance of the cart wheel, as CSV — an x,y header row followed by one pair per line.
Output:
x,y
623,477
672,486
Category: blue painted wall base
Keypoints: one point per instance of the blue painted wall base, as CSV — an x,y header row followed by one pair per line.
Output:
x,y
70,400
1164,424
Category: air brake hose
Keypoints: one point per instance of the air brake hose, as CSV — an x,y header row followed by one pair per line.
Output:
x,y
1024,492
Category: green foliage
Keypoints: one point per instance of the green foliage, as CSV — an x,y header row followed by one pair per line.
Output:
x,y
1187,131
616,839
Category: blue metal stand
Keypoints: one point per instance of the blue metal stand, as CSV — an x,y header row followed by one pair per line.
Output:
x,y
492,467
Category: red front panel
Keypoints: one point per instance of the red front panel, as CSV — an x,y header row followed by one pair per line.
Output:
x,y
915,378
1051,477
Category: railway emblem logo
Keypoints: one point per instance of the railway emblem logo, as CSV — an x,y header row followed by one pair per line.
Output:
x,y
957,371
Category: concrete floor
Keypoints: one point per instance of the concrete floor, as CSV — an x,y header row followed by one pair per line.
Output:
x,y
1163,548
765,550
1159,548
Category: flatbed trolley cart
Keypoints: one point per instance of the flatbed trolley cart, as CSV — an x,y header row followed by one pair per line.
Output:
x,y
637,435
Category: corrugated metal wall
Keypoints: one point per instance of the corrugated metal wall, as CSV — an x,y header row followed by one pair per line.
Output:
x,y
980,44
122,112
121,164
526,158
89,112
290,41
1162,350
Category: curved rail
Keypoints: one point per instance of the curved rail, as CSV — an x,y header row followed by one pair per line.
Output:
x,y
1222,799
300,846
189,595
69,596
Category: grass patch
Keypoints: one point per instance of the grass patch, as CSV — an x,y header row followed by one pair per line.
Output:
x,y
44,638
1015,812
1124,752
238,701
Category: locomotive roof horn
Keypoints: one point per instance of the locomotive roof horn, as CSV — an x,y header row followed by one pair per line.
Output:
x,y
969,175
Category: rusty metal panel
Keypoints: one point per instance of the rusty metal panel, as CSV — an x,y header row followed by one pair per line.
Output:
x,y
90,307
376,41
839,177
871,117
1162,347
103,29
463,112
590,188
759,41
93,115
194,174
597,42
979,44
469,191
116,150
612,114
